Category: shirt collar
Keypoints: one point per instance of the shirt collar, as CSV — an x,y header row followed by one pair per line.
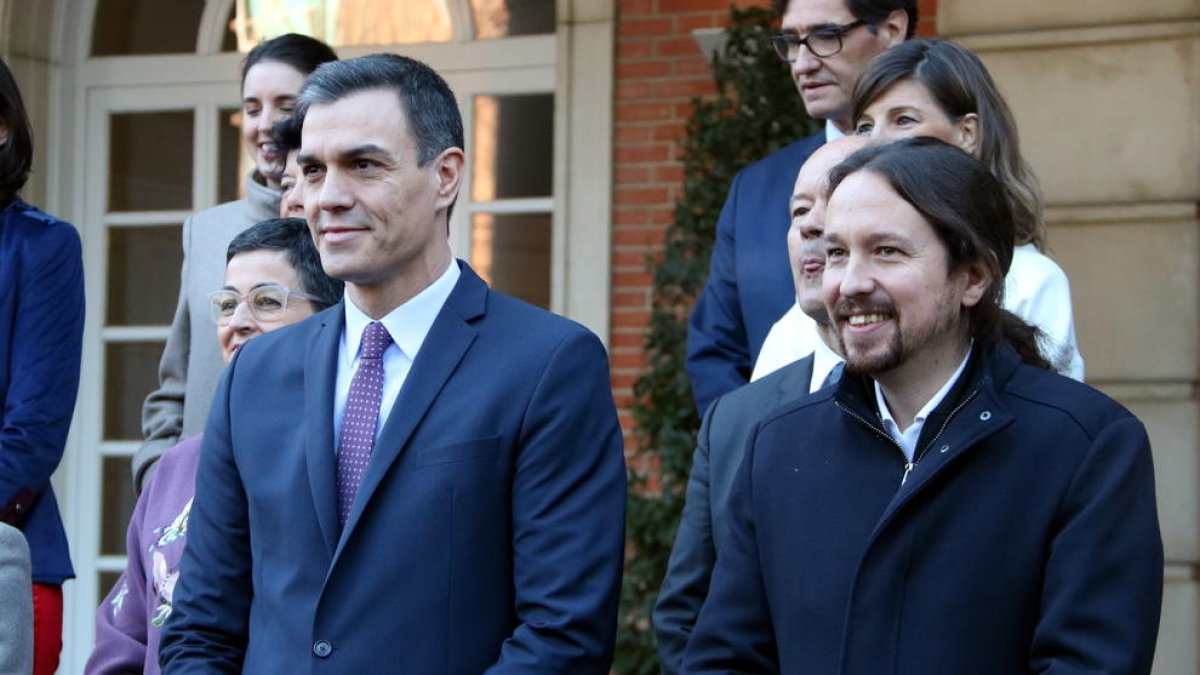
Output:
x,y
824,361
886,415
832,133
409,323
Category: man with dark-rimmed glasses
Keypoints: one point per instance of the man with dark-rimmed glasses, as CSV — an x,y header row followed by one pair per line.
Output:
x,y
828,43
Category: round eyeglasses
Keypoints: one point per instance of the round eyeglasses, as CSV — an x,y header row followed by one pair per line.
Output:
x,y
266,303
822,42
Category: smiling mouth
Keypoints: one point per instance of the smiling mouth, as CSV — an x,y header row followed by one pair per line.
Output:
x,y
860,320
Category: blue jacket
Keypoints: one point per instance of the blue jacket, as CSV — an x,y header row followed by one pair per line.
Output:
x,y
41,335
749,281
488,533
1025,539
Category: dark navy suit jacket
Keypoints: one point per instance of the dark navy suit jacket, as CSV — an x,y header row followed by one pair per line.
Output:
x,y
728,425
488,532
41,336
749,281
1024,540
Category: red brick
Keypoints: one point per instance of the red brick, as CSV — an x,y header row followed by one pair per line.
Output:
x,y
666,6
637,89
682,110
632,279
627,133
637,361
630,196
629,112
690,22
627,259
631,175
687,88
631,299
664,216
645,27
636,69
631,217
668,132
626,340
634,48
677,46
692,67
638,237
655,152
629,8
669,173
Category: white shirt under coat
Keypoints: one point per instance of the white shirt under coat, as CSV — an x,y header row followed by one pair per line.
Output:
x,y
408,325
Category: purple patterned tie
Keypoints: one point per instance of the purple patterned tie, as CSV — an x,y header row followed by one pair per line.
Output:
x,y
361,417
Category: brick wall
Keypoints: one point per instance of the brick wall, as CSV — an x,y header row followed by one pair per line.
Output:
x,y
659,68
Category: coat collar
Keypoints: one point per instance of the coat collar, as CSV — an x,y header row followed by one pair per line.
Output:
x,y
972,411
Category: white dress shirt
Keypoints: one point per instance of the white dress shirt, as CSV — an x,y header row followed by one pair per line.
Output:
x,y
908,437
408,325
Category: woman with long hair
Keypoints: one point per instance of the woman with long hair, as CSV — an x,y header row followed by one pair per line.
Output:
x,y
938,88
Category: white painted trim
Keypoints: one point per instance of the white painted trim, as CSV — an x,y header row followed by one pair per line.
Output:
x,y
118,448
212,26
523,205
144,218
111,334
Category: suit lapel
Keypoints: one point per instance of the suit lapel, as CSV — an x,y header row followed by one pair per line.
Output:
x,y
320,376
448,340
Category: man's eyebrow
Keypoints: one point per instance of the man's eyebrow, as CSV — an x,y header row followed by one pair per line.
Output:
x,y
305,158
365,149
811,29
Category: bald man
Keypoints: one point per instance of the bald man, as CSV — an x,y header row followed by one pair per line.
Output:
x,y
731,419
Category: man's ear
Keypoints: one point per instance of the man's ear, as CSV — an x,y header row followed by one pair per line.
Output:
x,y
979,278
449,167
968,133
894,29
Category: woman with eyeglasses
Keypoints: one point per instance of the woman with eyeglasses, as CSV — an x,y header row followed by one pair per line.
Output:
x,y
273,278
272,75
938,88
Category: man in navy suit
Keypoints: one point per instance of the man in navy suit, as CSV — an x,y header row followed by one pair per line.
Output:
x,y
482,530
952,505
730,420
829,44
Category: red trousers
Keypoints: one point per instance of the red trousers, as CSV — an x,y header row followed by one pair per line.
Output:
x,y
47,628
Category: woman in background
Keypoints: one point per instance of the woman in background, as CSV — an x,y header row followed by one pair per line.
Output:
x,y
272,76
938,88
273,278
41,339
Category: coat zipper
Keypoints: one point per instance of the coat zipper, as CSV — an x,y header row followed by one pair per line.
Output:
x,y
909,466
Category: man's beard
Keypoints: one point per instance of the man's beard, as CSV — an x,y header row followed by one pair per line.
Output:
x,y
897,350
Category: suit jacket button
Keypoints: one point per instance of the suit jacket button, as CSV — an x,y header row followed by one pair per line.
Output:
x,y
322,648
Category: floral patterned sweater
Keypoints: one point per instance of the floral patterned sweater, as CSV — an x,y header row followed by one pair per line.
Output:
x,y
129,621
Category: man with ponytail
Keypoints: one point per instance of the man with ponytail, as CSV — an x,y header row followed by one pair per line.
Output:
x,y
952,505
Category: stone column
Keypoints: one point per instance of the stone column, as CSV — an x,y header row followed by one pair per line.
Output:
x,y
1107,97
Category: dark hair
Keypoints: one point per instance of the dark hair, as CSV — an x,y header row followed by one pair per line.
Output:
x,y
965,205
16,154
286,133
292,236
298,51
428,102
873,12
961,85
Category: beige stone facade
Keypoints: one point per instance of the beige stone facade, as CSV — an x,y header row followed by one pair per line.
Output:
x,y
1107,97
